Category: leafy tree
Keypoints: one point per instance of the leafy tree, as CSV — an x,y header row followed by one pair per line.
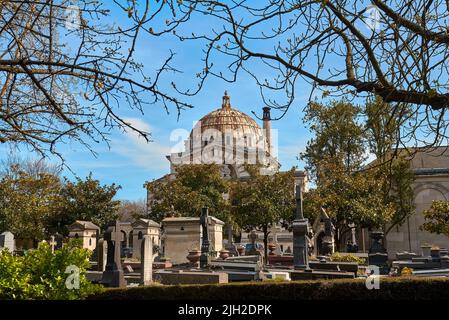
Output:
x,y
27,202
41,274
85,200
195,186
262,201
372,196
383,124
338,137
437,218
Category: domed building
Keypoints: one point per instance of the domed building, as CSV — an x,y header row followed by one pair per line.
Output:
x,y
230,138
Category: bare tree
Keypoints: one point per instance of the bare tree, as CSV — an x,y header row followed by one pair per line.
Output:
x,y
65,68
14,163
394,49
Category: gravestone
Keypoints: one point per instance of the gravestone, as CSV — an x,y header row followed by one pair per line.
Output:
x,y
300,232
205,245
52,244
113,275
327,245
277,250
230,246
7,241
146,261
102,254
252,251
59,238
377,254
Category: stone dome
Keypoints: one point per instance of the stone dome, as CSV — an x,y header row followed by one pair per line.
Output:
x,y
228,119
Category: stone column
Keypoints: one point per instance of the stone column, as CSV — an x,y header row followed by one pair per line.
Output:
x,y
205,244
102,247
146,261
300,232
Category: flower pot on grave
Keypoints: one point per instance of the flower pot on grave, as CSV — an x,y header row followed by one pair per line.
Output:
x,y
241,250
224,254
194,256
271,247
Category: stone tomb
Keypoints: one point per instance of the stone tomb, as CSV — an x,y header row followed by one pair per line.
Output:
x,y
190,277
182,234
7,241
86,231
141,228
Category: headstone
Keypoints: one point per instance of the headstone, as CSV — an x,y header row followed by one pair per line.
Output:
x,y
7,241
327,245
300,232
230,246
253,251
277,250
59,238
113,275
146,260
205,245
426,251
102,254
377,254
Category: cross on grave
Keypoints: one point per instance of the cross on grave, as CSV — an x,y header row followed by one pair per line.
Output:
x,y
300,232
52,244
113,275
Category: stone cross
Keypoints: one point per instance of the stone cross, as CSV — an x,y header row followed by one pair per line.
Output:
x,y
113,275
146,261
300,232
52,244
205,244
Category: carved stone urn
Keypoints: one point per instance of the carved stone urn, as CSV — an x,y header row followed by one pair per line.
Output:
x,y
194,256
224,254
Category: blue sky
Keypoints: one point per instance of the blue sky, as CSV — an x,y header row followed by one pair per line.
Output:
x,y
129,161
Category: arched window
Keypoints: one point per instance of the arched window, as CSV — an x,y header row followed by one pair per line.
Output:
x,y
130,239
76,236
140,235
90,242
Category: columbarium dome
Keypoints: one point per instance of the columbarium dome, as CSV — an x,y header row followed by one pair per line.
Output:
x,y
230,138
229,120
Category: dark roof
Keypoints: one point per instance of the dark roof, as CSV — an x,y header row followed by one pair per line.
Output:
x,y
83,225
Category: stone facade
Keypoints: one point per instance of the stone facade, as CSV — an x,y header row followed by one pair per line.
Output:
x,y
86,231
141,228
431,183
182,234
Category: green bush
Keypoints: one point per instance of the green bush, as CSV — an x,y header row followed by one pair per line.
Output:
x,y
40,274
344,289
347,257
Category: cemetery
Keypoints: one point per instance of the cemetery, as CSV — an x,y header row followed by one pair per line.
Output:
x,y
128,172
190,251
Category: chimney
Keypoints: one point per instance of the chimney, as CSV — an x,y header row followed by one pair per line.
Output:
x,y
267,127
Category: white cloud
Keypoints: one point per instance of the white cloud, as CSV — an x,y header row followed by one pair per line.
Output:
x,y
150,156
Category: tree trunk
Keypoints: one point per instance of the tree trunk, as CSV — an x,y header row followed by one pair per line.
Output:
x,y
265,243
